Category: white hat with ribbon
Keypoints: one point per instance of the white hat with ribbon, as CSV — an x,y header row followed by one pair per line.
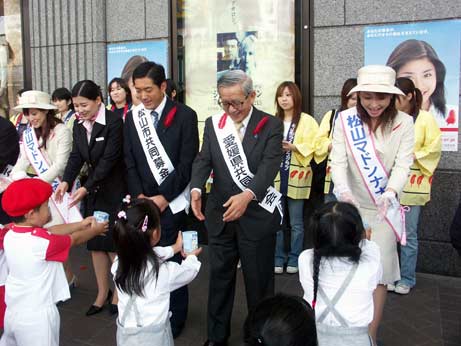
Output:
x,y
376,78
35,99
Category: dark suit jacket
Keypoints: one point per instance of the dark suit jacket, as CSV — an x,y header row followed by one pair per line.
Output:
x,y
106,168
180,141
9,151
9,144
264,154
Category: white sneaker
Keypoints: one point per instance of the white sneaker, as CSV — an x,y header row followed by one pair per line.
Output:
x,y
278,270
402,289
390,287
292,270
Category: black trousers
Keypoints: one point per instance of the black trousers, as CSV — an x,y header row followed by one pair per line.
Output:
x,y
257,259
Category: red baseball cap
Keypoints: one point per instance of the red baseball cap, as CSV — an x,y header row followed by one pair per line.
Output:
x,y
23,195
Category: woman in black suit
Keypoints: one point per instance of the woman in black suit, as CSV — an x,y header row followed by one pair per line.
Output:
x,y
98,142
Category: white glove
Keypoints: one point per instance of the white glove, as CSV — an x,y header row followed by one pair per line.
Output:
x,y
384,202
344,194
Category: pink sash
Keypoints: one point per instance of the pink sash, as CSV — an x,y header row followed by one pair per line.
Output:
x,y
360,141
41,165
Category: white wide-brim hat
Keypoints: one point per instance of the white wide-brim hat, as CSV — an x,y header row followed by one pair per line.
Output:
x,y
376,78
35,99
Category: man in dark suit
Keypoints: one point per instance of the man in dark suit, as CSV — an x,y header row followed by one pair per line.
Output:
x,y
9,144
237,225
176,127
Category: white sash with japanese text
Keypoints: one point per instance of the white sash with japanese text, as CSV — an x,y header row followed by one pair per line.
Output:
x,y
156,156
40,165
236,161
373,173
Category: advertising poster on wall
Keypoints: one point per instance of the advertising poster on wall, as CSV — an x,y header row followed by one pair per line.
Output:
x,y
429,54
223,35
122,58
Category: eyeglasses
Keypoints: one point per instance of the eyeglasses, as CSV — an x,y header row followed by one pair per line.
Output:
x,y
234,104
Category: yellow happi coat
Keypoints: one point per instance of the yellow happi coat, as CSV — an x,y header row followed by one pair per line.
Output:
x,y
322,142
300,172
427,152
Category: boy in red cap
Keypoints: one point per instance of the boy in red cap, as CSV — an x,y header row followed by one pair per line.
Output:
x,y
34,256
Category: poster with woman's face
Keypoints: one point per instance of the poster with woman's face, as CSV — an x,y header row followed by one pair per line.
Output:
x,y
123,58
429,54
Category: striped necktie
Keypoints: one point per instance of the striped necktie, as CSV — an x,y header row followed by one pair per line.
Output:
x,y
155,118
239,128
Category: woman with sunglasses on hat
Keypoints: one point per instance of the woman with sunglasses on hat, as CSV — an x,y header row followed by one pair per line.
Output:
x,y
370,160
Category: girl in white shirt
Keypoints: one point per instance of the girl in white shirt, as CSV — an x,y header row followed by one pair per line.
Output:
x,y
143,279
339,275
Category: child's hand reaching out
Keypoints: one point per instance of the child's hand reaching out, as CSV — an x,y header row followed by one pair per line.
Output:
x,y
196,252
88,221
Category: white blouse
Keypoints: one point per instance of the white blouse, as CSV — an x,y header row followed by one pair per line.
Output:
x,y
155,305
356,303
394,148
58,148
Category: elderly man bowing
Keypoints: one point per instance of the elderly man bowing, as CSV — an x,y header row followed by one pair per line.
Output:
x,y
243,148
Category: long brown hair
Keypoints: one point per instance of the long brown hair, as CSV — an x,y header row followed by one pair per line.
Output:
x,y
45,130
347,86
385,120
296,95
410,50
408,87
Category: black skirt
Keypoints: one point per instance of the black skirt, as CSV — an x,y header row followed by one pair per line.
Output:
x,y
97,202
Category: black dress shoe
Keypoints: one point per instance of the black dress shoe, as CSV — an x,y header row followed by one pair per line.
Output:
x,y
113,309
93,310
214,343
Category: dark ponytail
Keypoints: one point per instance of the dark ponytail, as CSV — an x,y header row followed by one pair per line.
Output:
x,y
408,87
87,89
136,222
317,259
337,231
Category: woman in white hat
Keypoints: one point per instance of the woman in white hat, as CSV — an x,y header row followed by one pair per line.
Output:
x,y
370,161
54,139
45,148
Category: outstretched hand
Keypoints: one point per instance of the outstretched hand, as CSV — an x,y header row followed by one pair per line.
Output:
x,y
60,191
196,204
77,196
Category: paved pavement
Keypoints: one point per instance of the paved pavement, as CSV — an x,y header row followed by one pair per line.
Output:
x,y
430,315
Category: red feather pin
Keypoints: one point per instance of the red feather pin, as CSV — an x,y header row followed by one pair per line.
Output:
x,y
170,117
260,126
222,121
